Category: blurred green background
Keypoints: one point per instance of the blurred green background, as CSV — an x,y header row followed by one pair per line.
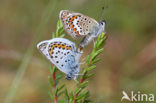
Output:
x,y
128,62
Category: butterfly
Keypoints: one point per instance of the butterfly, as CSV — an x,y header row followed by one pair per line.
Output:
x,y
76,25
63,54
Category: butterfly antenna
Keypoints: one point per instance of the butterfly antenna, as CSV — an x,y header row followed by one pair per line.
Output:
x,y
102,13
105,6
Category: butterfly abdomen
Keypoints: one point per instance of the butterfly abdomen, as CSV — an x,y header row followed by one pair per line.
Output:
x,y
87,39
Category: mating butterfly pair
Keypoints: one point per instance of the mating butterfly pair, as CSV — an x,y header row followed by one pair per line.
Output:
x,y
62,52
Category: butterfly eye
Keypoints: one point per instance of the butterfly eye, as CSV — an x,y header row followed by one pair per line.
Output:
x,y
103,22
68,78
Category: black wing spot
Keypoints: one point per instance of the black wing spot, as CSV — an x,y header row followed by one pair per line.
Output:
x,y
62,65
65,60
55,56
57,61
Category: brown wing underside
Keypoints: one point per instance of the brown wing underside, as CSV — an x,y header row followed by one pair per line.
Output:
x,y
76,24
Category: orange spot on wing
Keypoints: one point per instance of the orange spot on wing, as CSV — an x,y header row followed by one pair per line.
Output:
x,y
72,26
52,47
77,33
63,46
51,52
74,29
59,45
68,48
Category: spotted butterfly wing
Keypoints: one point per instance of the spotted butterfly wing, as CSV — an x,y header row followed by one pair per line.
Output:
x,y
76,24
62,53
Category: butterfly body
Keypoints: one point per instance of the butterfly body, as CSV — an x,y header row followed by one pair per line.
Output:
x,y
76,25
62,53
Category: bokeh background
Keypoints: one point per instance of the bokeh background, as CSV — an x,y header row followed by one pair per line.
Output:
x,y
128,62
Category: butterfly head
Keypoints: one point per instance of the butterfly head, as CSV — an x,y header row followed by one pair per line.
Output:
x,y
73,74
70,76
101,27
102,24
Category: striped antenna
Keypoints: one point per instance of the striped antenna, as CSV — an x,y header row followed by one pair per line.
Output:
x,y
103,9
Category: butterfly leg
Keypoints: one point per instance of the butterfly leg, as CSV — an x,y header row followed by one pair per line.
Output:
x,y
78,74
94,41
76,81
86,40
75,78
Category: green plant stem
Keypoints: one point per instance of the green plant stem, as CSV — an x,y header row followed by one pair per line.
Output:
x,y
90,64
55,76
78,86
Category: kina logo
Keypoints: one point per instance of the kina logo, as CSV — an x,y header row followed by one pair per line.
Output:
x,y
137,96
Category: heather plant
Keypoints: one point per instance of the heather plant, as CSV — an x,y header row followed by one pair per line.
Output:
x,y
80,94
